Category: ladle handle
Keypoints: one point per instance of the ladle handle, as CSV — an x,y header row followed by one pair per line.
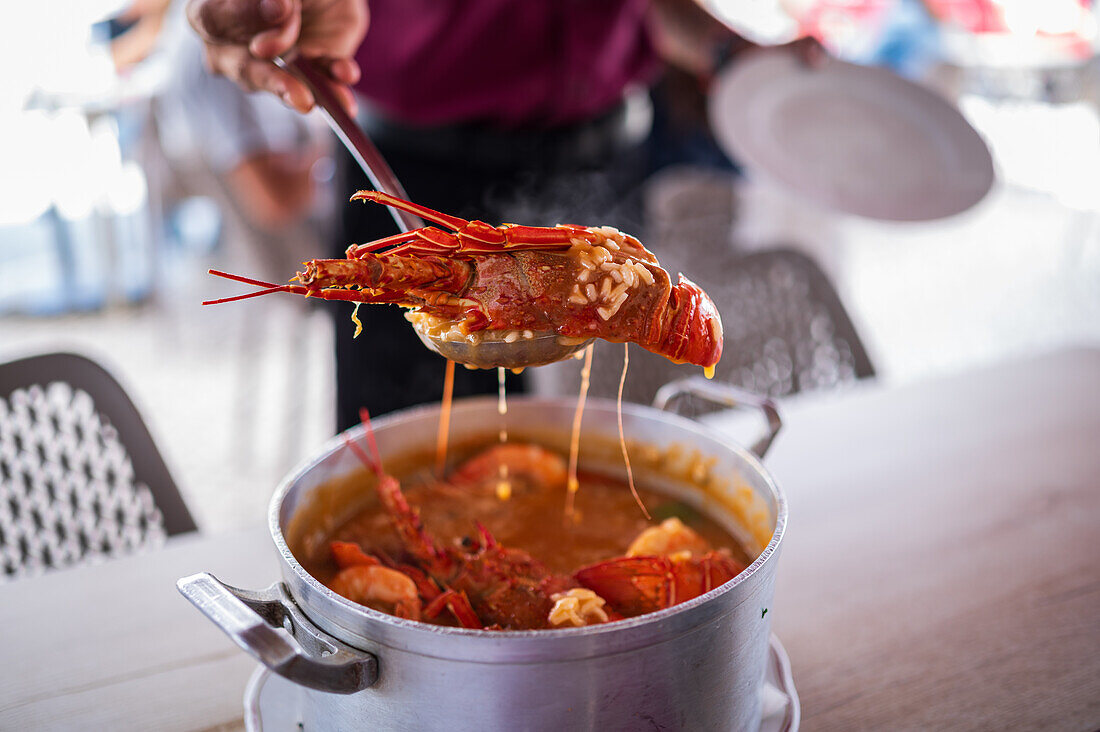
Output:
x,y
309,657
727,396
355,140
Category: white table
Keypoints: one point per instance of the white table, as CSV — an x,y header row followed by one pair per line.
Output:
x,y
942,562
941,570
115,646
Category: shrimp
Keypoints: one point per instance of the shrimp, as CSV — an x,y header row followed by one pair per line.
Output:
x,y
671,537
535,465
380,588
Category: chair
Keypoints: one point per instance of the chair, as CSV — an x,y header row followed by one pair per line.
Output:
x,y
785,331
80,477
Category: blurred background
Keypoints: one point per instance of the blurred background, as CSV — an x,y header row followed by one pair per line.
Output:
x,y
128,171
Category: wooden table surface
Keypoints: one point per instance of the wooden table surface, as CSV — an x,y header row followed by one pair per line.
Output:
x,y
942,563
941,571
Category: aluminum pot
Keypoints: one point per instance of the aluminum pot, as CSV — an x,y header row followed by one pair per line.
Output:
x,y
698,665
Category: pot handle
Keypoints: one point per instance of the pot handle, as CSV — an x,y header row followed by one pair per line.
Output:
x,y
726,395
309,657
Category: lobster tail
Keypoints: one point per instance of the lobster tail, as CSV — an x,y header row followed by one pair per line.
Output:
x,y
692,331
644,584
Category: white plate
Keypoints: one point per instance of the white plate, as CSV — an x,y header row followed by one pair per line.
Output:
x,y
853,138
274,704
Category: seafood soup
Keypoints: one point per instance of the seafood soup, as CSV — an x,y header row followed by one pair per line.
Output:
x,y
488,545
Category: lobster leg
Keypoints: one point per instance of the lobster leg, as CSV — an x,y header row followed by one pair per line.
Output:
x,y
436,217
460,608
470,237
404,237
477,232
427,240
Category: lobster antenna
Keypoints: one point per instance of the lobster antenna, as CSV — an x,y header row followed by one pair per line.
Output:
x,y
239,278
363,457
364,417
266,291
269,287
373,246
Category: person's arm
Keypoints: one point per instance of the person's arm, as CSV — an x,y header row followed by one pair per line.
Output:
x,y
242,36
135,45
690,38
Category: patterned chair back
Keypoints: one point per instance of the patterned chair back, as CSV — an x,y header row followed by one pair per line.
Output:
x,y
80,477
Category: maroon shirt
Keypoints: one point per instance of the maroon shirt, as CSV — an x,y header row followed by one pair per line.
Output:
x,y
510,63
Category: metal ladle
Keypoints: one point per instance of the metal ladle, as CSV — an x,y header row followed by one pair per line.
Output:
x,y
491,350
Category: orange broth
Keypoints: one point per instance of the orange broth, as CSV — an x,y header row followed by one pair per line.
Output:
x,y
606,519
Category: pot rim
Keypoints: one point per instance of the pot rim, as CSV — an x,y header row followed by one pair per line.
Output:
x,y
427,630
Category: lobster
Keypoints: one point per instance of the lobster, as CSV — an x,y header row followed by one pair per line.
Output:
x,y
504,587
482,583
576,281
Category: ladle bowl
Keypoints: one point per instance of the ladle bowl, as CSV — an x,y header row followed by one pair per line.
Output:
x,y
489,349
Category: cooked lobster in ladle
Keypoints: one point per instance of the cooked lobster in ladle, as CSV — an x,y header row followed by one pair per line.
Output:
x,y
516,296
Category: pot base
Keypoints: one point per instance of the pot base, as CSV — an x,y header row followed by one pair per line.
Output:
x,y
273,704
